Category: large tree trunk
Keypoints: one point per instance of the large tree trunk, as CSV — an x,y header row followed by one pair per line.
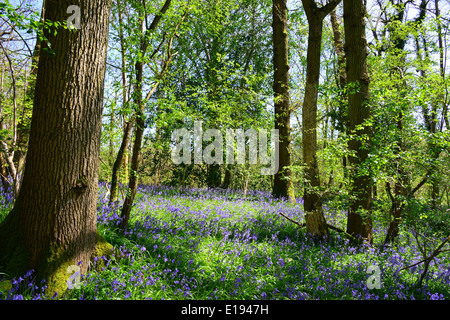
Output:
x,y
359,214
53,222
283,185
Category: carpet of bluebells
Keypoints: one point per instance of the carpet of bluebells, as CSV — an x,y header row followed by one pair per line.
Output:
x,y
217,244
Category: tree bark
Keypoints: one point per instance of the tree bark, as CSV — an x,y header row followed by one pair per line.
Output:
x,y
359,214
339,49
315,221
120,160
341,80
53,222
283,185
3,170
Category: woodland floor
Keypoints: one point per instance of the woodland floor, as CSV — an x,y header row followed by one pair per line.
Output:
x,y
216,244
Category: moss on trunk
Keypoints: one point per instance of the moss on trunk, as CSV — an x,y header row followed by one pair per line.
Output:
x,y
53,268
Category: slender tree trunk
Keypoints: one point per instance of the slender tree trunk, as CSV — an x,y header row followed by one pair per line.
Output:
x,y
339,49
134,177
53,223
401,192
23,126
227,177
245,179
3,170
122,155
139,109
435,152
283,185
213,175
138,135
401,182
120,160
315,220
359,215
342,121
9,151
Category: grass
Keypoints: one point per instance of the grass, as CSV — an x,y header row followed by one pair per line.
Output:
x,y
215,244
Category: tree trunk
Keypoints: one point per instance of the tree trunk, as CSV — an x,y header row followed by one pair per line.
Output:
x,y
139,133
3,169
213,175
122,155
396,211
139,111
339,49
315,220
312,202
120,161
402,180
435,152
312,199
342,120
227,177
53,222
283,185
359,214
23,125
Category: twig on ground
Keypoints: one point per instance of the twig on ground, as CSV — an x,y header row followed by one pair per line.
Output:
x,y
301,225
428,260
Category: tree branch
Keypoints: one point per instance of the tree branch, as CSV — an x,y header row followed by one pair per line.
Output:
x,y
330,6
301,225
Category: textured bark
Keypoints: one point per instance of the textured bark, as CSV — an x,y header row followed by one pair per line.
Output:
x,y
342,119
120,161
283,184
315,221
312,199
3,169
339,49
53,222
359,215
